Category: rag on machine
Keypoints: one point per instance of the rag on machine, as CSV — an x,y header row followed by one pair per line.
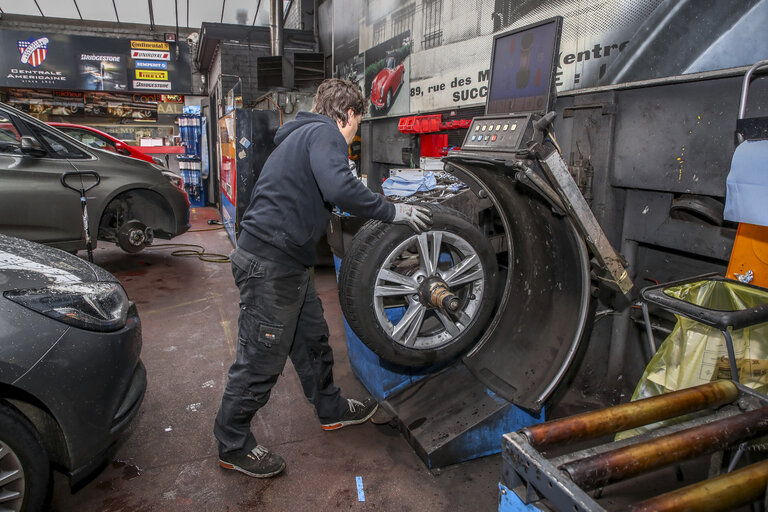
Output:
x,y
405,186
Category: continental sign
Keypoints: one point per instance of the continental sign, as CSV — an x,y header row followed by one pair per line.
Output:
x,y
149,45
146,74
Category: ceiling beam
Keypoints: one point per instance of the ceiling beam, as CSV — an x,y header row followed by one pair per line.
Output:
x,y
151,16
78,10
258,6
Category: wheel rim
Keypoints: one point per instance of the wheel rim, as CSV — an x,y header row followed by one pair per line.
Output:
x,y
398,308
11,480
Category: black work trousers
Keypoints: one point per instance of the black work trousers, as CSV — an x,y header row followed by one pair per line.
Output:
x,y
280,316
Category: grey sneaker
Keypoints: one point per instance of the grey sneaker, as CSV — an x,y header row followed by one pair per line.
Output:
x,y
357,412
259,462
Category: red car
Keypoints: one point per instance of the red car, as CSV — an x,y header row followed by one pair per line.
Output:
x,y
386,84
100,140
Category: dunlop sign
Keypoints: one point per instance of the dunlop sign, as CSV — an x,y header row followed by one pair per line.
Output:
x,y
149,45
146,74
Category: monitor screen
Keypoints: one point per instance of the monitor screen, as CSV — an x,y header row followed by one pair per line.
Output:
x,y
522,68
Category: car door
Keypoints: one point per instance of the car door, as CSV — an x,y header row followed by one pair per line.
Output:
x,y
34,205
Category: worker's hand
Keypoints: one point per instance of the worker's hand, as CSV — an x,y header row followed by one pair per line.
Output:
x,y
419,218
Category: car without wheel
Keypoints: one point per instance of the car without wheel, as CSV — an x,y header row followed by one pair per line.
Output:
x,y
134,203
71,379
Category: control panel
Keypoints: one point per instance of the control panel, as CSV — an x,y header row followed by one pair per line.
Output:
x,y
505,133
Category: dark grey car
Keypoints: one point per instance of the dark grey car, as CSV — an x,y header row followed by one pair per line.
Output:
x,y
135,202
71,379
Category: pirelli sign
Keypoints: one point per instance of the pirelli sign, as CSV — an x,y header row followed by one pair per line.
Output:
x,y
148,74
149,45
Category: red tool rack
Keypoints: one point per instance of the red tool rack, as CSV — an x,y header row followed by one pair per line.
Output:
x,y
432,144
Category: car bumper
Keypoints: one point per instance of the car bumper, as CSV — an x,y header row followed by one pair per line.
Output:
x,y
93,384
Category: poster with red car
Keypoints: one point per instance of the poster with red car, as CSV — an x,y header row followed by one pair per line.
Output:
x,y
387,72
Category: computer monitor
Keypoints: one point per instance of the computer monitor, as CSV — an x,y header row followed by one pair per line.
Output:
x,y
523,68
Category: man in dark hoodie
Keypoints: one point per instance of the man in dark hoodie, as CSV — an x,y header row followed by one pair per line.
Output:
x,y
280,313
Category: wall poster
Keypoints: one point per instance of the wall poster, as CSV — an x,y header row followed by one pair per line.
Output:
x,y
603,42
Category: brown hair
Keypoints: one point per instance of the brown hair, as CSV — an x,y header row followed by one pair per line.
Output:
x,y
335,96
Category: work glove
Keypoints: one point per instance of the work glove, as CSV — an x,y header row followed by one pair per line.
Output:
x,y
419,218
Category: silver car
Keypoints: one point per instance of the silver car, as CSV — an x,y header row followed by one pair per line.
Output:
x,y
133,203
71,379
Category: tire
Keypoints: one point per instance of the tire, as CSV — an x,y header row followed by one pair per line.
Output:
x,y
371,300
23,451
389,99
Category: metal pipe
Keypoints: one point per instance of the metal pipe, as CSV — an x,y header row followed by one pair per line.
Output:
x,y
725,492
276,26
649,330
629,461
621,323
630,415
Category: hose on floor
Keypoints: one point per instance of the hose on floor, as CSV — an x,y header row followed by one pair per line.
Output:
x,y
197,251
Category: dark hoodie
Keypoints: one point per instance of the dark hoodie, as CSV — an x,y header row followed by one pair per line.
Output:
x,y
302,179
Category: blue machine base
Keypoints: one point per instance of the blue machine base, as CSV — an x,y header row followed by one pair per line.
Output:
x,y
450,417
509,502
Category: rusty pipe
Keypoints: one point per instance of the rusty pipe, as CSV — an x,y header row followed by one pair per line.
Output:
x,y
725,492
629,461
594,424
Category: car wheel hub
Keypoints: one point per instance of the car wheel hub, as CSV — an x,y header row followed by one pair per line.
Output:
x,y
435,279
11,479
133,236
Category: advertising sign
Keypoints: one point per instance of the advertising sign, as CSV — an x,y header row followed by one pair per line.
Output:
x,y
604,42
149,45
150,64
41,60
157,86
102,72
143,74
151,55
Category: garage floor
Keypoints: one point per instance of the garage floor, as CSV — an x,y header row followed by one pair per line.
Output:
x,y
188,310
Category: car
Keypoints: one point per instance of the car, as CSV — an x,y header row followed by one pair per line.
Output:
x,y
135,201
386,84
100,140
71,375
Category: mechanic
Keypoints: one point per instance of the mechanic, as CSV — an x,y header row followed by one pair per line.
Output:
x,y
280,312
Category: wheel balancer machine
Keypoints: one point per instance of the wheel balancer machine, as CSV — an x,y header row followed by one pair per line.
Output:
x,y
459,410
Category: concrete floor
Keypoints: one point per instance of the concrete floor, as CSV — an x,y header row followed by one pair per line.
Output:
x,y
188,310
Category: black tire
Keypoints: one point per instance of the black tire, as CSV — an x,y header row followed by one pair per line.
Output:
x,y
372,249
23,447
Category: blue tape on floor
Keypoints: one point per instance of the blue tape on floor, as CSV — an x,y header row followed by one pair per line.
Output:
x,y
360,491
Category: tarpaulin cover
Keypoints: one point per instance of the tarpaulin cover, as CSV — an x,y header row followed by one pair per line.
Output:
x,y
747,184
695,354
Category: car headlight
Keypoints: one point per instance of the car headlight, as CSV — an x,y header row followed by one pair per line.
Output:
x,y
92,306
175,179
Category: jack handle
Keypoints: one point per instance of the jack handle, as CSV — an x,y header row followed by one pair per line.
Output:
x,y
83,189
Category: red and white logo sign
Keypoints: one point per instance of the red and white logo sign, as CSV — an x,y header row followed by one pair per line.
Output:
x,y
150,55
33,51
158,86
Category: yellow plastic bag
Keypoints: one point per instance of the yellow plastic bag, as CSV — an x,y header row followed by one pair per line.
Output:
x,y
695,354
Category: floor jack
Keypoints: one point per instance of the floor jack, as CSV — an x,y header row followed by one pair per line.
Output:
x,y
83,202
